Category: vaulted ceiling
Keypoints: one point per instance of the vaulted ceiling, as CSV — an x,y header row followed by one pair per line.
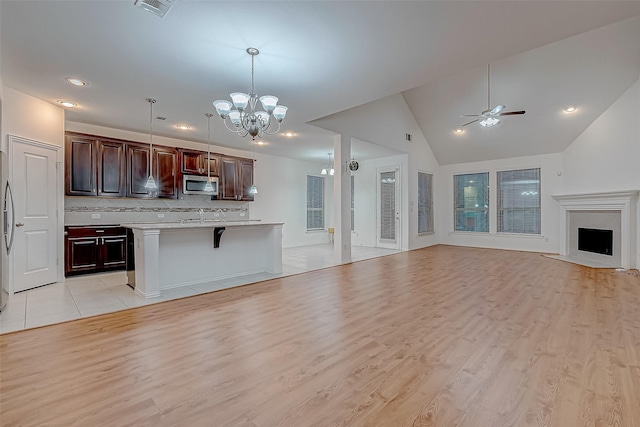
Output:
x,y
322,58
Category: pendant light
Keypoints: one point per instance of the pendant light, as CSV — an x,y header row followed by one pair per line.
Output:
x,y
208,187
151,183
253,190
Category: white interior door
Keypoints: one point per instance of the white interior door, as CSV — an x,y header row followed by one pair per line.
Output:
x,y
388,209
34,179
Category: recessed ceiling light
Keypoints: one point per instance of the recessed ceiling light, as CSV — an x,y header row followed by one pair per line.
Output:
x,y
459,130
260,142
66,103
77,82
183,127
570,108
289,134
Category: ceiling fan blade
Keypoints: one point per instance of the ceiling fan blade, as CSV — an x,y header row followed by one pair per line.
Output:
x,y
472,121
511,113
470,115
497,109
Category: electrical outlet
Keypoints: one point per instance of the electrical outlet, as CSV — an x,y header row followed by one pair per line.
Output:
x,y
95,216
160,215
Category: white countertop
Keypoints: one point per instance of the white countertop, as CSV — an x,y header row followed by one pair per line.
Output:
x,y
197,224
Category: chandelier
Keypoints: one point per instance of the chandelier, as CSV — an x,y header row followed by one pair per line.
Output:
x,y
329,168
244,117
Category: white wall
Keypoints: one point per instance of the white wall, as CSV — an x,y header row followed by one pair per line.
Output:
x,y
385,122
282,196
366,200
281,184
550,184
606,156
31,118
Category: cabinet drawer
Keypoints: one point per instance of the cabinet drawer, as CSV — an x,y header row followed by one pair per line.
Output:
x,y
95,231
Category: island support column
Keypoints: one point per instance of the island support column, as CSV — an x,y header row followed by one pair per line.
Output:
x,y
147,256
274,250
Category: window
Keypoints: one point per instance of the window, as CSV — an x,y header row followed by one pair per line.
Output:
x,y
519,201
353,218
471,202
425,202
315,202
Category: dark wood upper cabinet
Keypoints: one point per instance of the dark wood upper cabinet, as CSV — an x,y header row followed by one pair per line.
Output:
x,y
108,167
137,170
195,163
111,169
229,179
80,164
236,179
246,178
165,160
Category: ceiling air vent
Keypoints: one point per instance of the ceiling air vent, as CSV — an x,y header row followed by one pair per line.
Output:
x,y
157,7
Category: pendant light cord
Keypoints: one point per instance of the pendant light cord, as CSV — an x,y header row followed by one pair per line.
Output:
x,y
151,101
488,86
253,89
209,115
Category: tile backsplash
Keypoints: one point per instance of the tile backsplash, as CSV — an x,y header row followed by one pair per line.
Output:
x,y
96,210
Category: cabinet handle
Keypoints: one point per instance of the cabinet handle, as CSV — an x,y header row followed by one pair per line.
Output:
x,y
19,224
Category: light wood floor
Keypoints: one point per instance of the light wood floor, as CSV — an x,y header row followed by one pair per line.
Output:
x,y
443,336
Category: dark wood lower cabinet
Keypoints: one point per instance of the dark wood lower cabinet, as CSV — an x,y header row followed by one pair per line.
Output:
x,y
94,249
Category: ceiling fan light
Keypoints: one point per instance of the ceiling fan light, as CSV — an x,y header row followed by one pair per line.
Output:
x,y
332,171
324,171
253,190
489,122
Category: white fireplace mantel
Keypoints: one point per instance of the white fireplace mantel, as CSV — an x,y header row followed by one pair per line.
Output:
x,y
623,201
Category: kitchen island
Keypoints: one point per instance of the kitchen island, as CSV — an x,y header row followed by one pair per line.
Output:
x,y
171,255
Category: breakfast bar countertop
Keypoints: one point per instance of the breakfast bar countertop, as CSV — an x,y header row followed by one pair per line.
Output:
x,y
197,224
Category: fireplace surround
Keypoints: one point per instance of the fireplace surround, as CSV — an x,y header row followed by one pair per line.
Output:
x,y
607,210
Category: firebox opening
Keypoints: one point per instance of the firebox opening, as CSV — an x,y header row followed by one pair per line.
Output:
x,y
595,240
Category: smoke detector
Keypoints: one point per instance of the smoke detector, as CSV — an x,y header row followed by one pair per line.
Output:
x,y
157,7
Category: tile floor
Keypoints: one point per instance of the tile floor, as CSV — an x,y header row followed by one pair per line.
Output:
x,y
90,295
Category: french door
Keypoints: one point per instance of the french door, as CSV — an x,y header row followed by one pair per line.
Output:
x,y
388,210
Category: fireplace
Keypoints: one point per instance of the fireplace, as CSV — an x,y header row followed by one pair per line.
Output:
x,y
595,240
599,229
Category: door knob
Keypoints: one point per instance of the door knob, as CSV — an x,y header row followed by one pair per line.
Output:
x,y
19,224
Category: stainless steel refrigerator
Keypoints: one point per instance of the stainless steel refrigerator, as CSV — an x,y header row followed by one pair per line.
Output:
x,y
7,226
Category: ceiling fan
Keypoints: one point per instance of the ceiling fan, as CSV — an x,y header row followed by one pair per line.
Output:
x,y
489,117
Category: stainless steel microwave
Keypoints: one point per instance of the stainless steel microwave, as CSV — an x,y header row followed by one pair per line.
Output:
x,y
194,184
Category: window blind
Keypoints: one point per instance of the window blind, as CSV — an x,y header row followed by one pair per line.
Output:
x,y
315,202
471,202
519,201
388,206
353,218
425,202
